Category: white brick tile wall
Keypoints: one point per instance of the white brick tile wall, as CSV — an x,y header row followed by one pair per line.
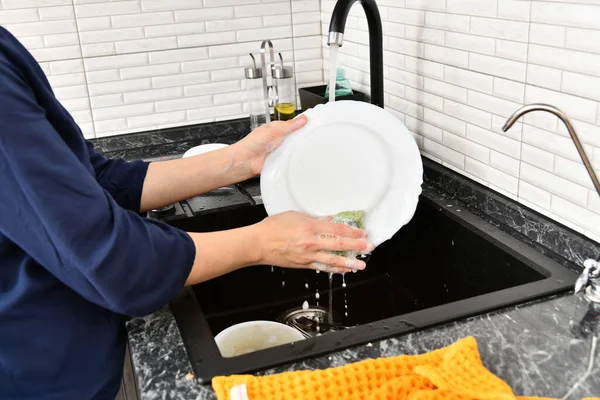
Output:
x,y
454,70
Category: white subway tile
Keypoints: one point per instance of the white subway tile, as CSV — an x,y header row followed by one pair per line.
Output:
x,y
143,19
394,29
546,77
407,47
433,5
71,79
169,5
143,45
494,140
42,28
509,90
581,85
110,125
423,128
444,153
107,100
71,92
19,16
492,175
574,106
450,22
466,147
260,34
56,53
305,30
103,76
179,28
500,29
65,67
235,24
550,35
230,98
447,56
169,56
534,194
424,67
111,35
8,4
511,50
76,104
445,122
181,79
498,67
578,215
98,49
487,8
423,98
107,8
156,118
150,71
515,10
59,12
111,62
213,112
227,74
569,60
32,42
299,18
473,43
394,88
210,64
405,107
93,23
406,78
205,14
405,16
446,90
184,103
469,79
82,116
504,108
513,133
554,184
61,39
262,10
550,142
212,88
305,5
222,3
567,14
119,86
145,96
537,157
426,35
589,134
123,111
504,163
583,39
573,171
467,113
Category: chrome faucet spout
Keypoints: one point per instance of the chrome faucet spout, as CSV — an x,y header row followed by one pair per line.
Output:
x,y
563,117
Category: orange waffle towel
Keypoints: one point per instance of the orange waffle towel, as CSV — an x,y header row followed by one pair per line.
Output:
x,y
452,373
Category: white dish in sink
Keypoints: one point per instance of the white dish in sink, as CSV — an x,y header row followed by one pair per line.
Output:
x,y
349,156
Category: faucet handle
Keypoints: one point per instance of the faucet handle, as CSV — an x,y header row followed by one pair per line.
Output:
x,y
589,280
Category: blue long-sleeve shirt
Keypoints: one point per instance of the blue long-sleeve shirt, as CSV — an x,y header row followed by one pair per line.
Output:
x,y
75,254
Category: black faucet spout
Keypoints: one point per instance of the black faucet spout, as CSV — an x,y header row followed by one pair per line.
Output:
x,y
336,37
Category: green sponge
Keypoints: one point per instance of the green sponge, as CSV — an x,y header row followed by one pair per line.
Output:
x,y
354,219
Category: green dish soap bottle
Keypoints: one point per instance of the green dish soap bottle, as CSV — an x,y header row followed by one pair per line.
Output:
x,y
342,85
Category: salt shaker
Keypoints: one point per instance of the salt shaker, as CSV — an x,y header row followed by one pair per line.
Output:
x,y
254,91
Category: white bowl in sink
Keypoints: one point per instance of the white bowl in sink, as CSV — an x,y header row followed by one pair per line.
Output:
x,y
251,336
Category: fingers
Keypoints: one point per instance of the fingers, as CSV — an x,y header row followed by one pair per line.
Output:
x,y
328,227
331,242
335,261
328,269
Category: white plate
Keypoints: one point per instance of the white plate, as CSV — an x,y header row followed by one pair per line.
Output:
x,y
349,156
203,148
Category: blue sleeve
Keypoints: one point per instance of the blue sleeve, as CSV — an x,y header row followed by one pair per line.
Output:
x,y
53,208
122,179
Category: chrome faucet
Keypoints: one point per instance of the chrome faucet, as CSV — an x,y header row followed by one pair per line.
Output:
x,y
337,27
589,281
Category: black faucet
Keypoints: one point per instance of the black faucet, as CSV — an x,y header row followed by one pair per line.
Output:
x,y
336,36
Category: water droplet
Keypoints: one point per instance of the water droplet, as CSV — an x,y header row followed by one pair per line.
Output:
x,y
343,280
346,313
272,268
317,296
453,243
282,283
318,272
306,285
305,305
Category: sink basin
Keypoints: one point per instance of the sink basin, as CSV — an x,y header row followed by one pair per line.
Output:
x,y
446,264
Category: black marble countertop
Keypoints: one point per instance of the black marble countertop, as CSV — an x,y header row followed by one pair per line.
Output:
x,y
541,348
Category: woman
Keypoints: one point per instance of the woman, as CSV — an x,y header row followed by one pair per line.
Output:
x,y
76,256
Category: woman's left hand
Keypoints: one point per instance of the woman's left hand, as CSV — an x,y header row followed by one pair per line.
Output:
x,y
264,140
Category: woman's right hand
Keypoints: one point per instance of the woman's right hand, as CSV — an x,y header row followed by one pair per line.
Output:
x,y
295,240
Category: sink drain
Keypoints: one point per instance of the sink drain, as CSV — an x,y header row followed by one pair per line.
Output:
x,y
312,321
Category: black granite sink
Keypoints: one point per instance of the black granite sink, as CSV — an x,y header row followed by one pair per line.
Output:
x,y
446,264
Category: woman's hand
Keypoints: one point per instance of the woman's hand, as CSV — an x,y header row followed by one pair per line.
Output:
x,y
295,240
264,140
